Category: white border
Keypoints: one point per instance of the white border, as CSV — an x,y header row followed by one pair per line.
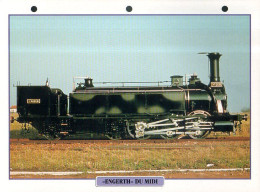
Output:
x,y
139,7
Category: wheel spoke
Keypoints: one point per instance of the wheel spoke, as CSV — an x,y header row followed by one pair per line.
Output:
x,y
203,116
130,128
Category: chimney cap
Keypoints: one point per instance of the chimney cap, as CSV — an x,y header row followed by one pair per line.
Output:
x,y
214,54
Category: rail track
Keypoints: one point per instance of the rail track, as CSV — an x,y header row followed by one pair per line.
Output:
x,y
149,141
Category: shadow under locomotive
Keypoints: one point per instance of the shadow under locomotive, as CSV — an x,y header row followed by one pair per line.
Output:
x,y
138,112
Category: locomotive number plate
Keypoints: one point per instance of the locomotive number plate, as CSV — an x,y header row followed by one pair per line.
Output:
x,y
216,84
33,101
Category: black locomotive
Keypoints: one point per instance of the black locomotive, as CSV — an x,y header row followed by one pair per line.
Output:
x,y
118,112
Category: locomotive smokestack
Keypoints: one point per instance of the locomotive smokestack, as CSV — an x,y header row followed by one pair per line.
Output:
x,y
214,66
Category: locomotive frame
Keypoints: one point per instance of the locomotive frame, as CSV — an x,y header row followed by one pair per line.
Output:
x,y
131,112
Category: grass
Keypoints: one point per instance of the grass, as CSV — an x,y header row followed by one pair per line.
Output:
x,y
245,127
68,157
17,130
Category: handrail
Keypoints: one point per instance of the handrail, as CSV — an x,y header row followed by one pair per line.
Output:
x,y
127,82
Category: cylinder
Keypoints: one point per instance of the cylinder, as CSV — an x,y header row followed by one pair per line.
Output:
x,y
214,66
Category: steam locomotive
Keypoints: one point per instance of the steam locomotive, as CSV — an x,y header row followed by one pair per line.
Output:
x,y
138,112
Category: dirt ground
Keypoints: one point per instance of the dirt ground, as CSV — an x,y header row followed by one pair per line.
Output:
x,y
168,175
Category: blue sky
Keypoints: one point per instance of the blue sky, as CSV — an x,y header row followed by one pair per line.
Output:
x,y
129,48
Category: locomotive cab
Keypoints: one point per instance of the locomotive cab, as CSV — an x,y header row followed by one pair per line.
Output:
x,y
40,101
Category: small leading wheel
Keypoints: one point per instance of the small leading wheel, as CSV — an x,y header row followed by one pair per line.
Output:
x,y
130,129
203,115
